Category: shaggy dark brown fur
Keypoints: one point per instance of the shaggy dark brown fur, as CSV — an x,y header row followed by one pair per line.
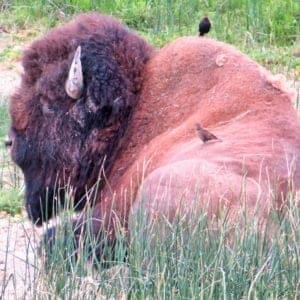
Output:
x,y
59,141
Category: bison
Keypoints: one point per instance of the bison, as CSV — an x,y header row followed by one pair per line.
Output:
x,y
104,116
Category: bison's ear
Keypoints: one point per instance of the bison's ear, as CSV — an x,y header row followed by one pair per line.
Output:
x,y
74,83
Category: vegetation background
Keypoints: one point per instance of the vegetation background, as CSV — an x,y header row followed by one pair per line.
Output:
x,y
252,265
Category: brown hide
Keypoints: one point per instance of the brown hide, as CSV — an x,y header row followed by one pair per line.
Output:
x,y
204,81
58,140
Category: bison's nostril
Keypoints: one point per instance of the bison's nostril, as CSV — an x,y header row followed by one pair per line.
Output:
x,y
8,143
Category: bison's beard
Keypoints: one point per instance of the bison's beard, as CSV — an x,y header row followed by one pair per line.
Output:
x,y
43,205
47,195
46,203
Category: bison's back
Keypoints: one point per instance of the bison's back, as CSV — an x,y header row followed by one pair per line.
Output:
x,y
204,81
211,78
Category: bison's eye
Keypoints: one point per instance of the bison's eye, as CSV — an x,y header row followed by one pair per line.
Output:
x,y
8,143
9,139
46,108
18,146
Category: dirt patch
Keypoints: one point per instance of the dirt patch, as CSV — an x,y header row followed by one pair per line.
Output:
x,y
10,67
18,237
9,79
18,258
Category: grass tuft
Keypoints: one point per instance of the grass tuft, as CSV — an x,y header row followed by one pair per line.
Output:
x,y
190,258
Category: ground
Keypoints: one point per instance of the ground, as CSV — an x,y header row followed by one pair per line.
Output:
x,y
10,68
16,232
18,240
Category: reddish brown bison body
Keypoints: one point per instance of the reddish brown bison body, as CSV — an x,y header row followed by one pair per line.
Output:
x,y
150,135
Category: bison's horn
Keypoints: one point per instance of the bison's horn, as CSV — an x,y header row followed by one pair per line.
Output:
x,y
74,83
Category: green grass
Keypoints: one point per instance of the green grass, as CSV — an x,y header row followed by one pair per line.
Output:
x,y
11,198
9,53
269,21
263,29
188,259
4,120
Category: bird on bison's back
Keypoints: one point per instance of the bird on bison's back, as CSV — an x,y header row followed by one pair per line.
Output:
x,y
204,26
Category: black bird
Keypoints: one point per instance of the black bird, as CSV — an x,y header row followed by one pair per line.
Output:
x,y
204,26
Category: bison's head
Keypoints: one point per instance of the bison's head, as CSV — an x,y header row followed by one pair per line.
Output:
x,y
69,115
